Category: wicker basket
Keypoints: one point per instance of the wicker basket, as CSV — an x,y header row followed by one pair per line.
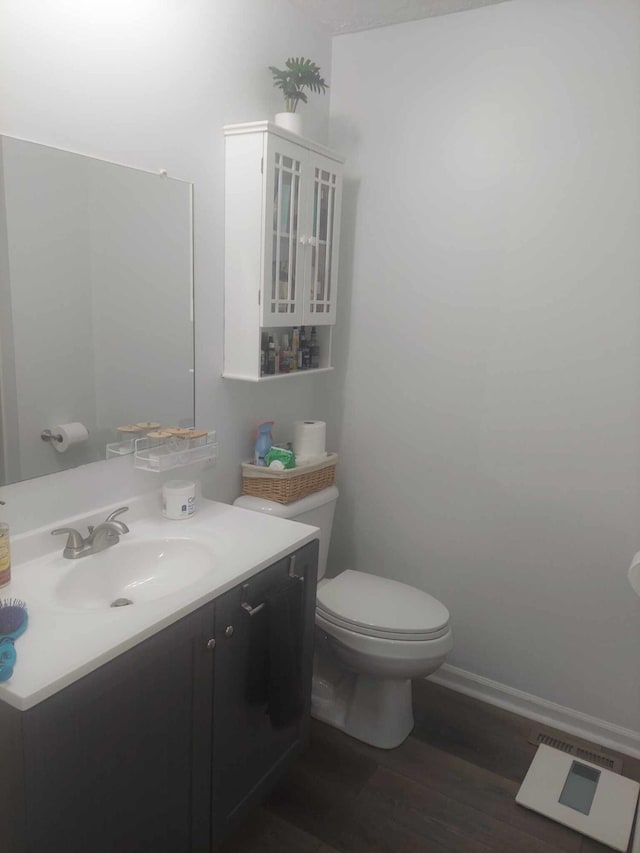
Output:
x,y
288,486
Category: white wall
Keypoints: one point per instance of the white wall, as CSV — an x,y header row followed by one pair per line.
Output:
x,y
489,449
150,85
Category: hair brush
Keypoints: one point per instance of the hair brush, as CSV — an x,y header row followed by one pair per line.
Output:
x,y
13,623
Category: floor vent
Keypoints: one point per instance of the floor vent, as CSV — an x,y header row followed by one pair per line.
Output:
x,y
578,748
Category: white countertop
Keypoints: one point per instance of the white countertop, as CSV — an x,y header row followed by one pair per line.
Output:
x,y
62,644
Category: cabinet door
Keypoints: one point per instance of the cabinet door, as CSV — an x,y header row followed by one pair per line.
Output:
x,y
283,268
120,760
249,753
324,177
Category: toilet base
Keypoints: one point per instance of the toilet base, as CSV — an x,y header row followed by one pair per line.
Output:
x,y
377,711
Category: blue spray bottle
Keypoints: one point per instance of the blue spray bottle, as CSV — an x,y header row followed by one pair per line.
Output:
x,y
263,442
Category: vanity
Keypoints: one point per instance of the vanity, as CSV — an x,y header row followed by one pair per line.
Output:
x,y
151,727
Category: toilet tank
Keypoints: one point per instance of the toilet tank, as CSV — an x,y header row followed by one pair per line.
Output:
x,y
316,509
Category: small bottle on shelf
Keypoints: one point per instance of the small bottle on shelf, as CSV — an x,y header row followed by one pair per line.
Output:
x,y
305,351
285,355
264,349
271,357
314,349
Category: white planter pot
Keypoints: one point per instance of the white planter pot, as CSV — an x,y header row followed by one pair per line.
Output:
x,y
290,121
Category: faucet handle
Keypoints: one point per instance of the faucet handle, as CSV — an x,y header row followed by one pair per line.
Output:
x,y
75,541
116,513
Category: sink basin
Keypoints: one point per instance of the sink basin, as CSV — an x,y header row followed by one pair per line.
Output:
x,y
134,573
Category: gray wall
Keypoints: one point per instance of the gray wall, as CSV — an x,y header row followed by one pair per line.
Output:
x,y
491,401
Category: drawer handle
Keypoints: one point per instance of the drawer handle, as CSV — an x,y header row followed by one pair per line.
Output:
x,y
248,608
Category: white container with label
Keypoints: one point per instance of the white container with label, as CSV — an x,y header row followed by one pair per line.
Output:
x,y
178,499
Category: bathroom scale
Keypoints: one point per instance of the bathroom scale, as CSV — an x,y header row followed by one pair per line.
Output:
x,y
594,801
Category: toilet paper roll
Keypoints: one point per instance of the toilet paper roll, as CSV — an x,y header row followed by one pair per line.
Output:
x,y
309,440
634,573
74,433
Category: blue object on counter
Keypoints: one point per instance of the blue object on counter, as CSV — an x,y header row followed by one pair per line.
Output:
x,y
263,442
13,622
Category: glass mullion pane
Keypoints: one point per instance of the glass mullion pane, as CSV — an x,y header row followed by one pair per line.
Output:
x,y
291,280
293,243
322,242
330,211
285,202
284,273
278,294
274,263
316,231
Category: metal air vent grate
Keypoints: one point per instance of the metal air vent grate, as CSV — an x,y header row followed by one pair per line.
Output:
x,y
576,747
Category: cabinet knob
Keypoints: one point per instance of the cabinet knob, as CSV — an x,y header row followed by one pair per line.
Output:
x,y
304,240
228,631
211,644
312,241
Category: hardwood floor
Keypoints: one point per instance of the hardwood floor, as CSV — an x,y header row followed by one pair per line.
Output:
x,y
449,788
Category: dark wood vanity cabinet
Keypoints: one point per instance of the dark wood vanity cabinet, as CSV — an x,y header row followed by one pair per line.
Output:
x,y
159,749
249,751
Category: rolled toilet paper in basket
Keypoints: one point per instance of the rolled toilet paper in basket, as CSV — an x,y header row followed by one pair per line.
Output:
x,y
73,433
309,441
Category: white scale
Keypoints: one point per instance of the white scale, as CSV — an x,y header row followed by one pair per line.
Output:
x,y
581,795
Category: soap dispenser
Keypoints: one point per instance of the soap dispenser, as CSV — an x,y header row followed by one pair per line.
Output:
x,y
5,553
263,442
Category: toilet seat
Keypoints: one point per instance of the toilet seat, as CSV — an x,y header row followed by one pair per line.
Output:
x,y
328,621
379,607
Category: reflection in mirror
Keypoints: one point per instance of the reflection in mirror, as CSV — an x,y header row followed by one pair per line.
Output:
x,y
96,311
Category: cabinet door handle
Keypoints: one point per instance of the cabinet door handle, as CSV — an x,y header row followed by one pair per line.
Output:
x,y
211,644
228,631
304,240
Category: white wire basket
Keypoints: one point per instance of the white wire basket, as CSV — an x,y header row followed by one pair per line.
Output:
x,y
164,454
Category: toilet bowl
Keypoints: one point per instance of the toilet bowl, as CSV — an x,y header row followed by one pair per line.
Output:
x,y
373,635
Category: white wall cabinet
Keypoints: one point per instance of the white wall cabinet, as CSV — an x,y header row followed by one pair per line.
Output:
x,y
282,224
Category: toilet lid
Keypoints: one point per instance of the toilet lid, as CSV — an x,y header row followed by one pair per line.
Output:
x,y
368,601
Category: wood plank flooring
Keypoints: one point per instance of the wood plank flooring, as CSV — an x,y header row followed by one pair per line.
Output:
x,y
449,788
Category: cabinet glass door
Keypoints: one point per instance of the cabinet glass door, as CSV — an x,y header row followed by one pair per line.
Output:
x,y
283,269
325,225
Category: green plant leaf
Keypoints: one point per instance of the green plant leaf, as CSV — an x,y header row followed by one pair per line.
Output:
x,y
300,74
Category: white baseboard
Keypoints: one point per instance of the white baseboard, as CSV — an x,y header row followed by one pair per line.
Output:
x,y
542,711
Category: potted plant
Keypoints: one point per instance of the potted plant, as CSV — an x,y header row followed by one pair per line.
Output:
x,y
299,74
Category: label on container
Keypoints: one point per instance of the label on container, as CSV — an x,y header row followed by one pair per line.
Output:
x,y
5,559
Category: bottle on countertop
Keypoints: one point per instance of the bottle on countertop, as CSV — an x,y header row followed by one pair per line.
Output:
x,y
295,346
314,350
271,357
5,553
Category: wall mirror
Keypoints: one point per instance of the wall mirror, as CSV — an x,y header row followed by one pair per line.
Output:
x,y
96,304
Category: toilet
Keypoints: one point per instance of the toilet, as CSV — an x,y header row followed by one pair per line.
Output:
x,y
373,635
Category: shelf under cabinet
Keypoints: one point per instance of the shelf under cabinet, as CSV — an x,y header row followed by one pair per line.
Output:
x,y
312,370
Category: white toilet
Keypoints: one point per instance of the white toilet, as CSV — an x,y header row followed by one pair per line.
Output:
x,y
373,636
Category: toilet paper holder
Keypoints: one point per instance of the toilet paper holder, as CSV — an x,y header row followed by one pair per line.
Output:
x,y
47,435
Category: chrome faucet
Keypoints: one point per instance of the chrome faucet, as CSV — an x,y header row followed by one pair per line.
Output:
x,y
100,537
